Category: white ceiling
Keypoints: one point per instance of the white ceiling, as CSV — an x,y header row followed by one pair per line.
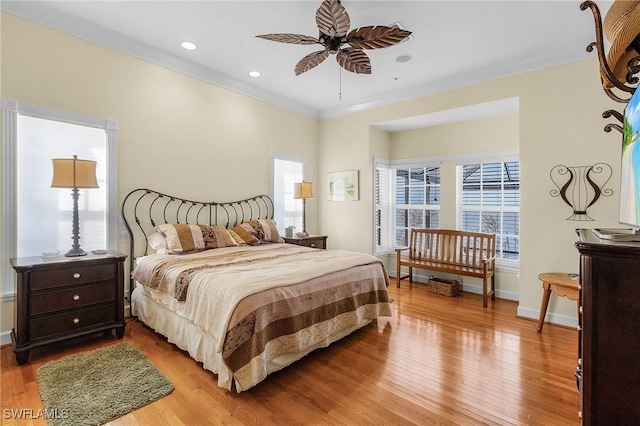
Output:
x,y
455,43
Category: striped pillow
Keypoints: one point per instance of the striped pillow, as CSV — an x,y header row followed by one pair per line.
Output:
x,y
245,234
266,230
183,238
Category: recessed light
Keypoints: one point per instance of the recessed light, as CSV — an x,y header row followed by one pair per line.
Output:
x,y
404,58
254,74
188,45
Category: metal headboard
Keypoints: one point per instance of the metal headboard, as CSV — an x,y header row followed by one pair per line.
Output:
x,y
144,209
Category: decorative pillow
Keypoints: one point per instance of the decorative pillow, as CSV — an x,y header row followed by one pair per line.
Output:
x,y
183,238
266,230
246,233
239,241
158,243
216,236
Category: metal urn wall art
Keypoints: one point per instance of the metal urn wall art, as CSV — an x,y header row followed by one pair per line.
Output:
x,y
581,186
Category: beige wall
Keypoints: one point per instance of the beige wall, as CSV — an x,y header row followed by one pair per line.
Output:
x,y
176,134
559,122
184,136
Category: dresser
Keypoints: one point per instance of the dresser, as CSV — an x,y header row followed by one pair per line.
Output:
x,y
608,369
66,297
313,241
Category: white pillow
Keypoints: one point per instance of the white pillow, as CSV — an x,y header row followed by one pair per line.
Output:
x,y
158,243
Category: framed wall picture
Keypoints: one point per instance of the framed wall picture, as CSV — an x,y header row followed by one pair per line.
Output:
x,y
343,186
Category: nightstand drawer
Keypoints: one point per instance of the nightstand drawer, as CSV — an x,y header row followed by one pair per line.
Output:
x,y
313,241
52,301
70,276
71,321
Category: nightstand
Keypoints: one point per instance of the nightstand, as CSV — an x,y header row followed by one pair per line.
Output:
x,y
313,241
66,297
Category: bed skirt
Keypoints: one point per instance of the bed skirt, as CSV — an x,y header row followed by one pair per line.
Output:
x,y
202,346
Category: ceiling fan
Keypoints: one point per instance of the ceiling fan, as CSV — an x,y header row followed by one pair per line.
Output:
x,y
333,23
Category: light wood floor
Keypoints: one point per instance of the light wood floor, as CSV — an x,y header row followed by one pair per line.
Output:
x,y
438,360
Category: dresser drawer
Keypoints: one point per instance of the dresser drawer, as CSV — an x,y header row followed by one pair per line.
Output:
x,y
75,297
69,276
48,326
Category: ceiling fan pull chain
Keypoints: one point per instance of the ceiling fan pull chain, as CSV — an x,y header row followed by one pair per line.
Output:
x,y
340,78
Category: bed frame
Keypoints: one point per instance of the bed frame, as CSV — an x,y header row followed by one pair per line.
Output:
x,y
144,209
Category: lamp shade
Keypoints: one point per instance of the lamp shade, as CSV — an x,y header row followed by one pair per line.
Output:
x,y
74,173
302,190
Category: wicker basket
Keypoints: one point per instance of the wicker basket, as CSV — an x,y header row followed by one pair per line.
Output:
x,y
443,287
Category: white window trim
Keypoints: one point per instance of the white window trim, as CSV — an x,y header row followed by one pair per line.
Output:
x,y
10,111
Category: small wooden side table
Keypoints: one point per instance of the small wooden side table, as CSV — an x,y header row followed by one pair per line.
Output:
x,y
562,284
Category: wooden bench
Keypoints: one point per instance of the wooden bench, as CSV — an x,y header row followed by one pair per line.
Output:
x,y
471,254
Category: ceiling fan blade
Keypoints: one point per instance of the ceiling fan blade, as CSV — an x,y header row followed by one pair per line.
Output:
x,y
290,38
310,61
354,60
332,19
376,37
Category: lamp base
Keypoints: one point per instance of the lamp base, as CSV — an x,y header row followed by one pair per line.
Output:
x,y
75,252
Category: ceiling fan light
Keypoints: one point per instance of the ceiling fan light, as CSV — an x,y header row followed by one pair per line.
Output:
x,y
404,58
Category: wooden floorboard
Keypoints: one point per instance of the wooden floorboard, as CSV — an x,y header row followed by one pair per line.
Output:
x,y
437,360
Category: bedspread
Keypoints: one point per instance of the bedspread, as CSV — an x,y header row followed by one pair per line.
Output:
x,y
262,303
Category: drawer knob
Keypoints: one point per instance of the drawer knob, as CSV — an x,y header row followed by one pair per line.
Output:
x,y
76,297
76,275
580,309
313,245
76,320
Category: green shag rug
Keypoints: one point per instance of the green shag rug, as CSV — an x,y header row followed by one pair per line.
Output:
x,y
94,387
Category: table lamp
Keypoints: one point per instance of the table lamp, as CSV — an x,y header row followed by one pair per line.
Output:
x,y
303,190
74,173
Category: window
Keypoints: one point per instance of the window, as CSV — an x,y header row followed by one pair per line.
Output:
x,y
490,202
287,210
486,186
417,200
37,217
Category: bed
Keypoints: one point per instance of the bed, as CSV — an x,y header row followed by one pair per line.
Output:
x,y
217,281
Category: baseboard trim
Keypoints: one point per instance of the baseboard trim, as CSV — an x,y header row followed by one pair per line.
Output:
x,y
5,338
557,319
